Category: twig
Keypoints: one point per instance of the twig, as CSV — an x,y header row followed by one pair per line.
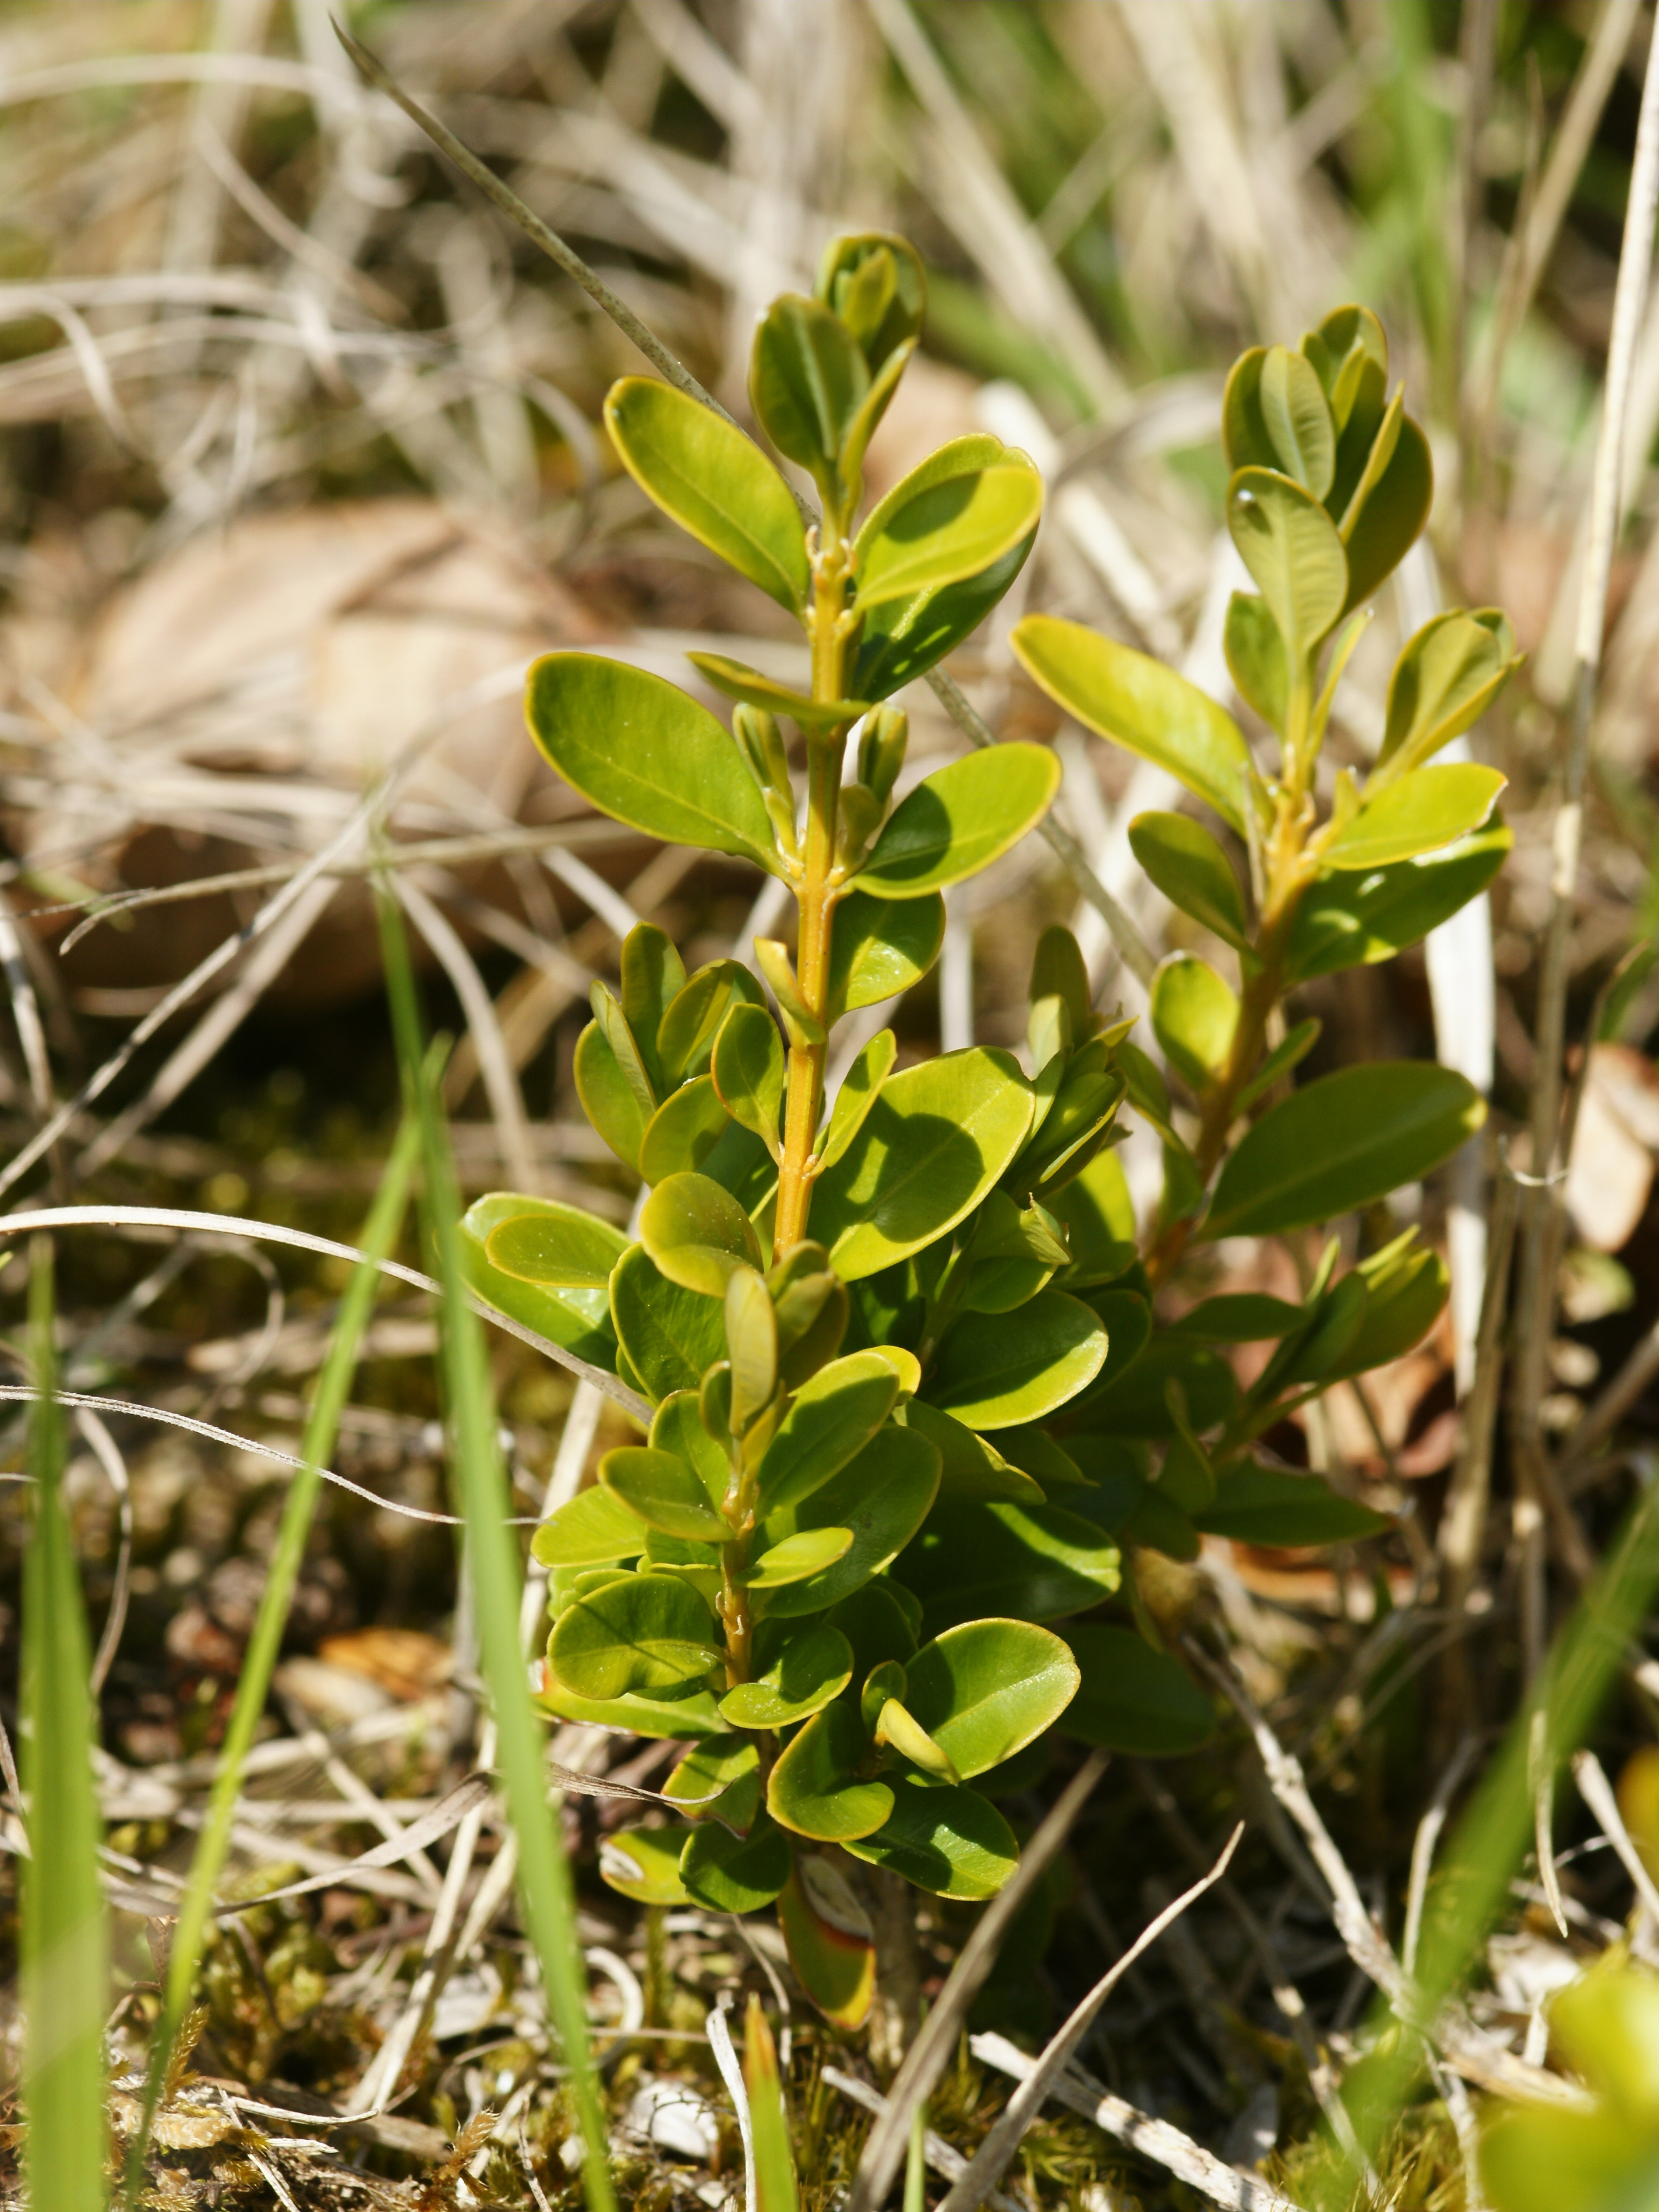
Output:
x,y
945,2158
990,2161
1542,1209
884,2152
1602,1418
1157,2140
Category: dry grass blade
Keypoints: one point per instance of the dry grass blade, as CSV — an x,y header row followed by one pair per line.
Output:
x,y
928,2056
990,2162
1540,1780
1598,1794
945,2158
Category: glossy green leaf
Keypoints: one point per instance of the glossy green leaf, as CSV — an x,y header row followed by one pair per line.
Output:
x,y
984,1690
578,1317
590,1529
1132,1699
677,1427
1239,1317
970,1467
1343,1142
796,1559
1422,813
556,1245
874,1622
813,1788
718,1780
875,282
936,1139
1097,1215
671,1336
665,1492
1135,1401
883,1496
1035,1452
695,1014
1195,1017
1289,1052
1244,438
997,1370
716,483
1344,919
1266,1505
697,1234
726,1872
1255,658
1024,1561
1189,867
830,1418
1390,514
1447,674
951,518
859,1091
653,977
610,1096
1335,1318
1140,704
879,947
644,1863
735,679
896,1728
902,639
644,1633
640,749
829,1937
948,1840
1292,550
748,1071
692,1715
1407,1290
961,818
751,1343
806,379
798,1670
684,1131
1297,420
1062,1004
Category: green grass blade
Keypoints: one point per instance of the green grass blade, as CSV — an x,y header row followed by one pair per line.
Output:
x,y
915,2164
65,1929
774,2164
317,1448
497,1575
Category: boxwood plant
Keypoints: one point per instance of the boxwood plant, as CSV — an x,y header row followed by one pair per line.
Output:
x,y
908,1406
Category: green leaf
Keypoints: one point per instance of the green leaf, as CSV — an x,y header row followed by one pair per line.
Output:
x,y
751,1340
796,1672
575,1316
874,1622
1189,867
1447,674
984,1690
665,1492
556,1245
1140,704
806,379
1097,1215
814,1789
896,1728
726,1872
1132,1699
716,483
1062,1004
671,1336
1244,437
692,1715
1423,811
694,1016
640,749
997,1370
1239,1317
1406,1291
961,818
936,1140
875,282
718,1780
968,1467
647,1632
950,519
948,1840
612,1095
748,1070
859,1088
653,977
736,680
1135,1400
829,1937
684,1131
697,1234
1255,658
643,1864
829,1419
1289,1052
1194,1017
883,1496
1343,1142
1344,919
1035,1452
1023,1561
1292,548
590,1529
1158,1523
1297,420
904,638
795,1559
879,947
1265,1505
1390,514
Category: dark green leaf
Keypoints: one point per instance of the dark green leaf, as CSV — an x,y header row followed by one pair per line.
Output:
x,y
1135,1400
643,1864
1289,1052
693,1019
969,504
883,1496
1390,514
997,1370
672,1336
970,1467
1026,1561
814,1789
798,1670
748,1069
1191,870
874,281
1266,1505
1239,1317
902,639
829,1419
948,1840
806,378
1132,1699
684,1131
985,1689
667,1492
1447,674
1344,919
726,1872
613,1095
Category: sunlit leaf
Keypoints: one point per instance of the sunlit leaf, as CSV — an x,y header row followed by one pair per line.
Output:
x,y
961,818
1423,811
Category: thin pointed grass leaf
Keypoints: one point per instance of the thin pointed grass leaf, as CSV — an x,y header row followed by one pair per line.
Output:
x,y
65,1935
317,1446
546,1896
774,2165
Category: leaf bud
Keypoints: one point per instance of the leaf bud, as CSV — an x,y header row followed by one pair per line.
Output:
x,y
882,743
